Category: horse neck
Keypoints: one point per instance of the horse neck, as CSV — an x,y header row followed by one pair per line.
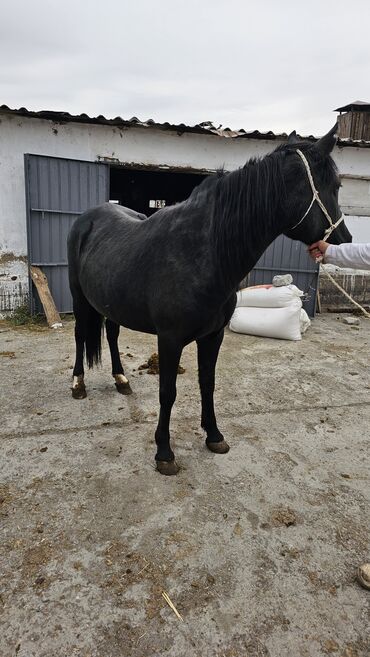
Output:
x,y
247,218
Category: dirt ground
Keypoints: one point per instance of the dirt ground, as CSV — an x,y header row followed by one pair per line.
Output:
x,y
257,549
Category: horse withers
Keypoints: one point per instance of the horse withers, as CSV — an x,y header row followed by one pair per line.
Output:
x,y
175,275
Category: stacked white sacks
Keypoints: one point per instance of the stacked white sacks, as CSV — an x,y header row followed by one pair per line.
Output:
x,y
271,312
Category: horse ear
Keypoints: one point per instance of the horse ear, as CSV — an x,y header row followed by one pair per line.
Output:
x,y
292,139
326,144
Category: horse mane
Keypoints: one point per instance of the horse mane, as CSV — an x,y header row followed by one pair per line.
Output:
x,y
243,205
245,202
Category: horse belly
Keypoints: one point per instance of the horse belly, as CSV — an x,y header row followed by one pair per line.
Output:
x,y
123,311
133,322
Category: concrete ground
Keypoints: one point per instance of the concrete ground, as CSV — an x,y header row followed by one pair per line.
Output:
x,y
257,549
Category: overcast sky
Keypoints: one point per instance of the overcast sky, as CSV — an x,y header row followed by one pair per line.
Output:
x,y
268,65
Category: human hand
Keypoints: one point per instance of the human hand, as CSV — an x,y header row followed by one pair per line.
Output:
x,y
317,250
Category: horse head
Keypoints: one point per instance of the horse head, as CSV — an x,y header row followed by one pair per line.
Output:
x,y
312,183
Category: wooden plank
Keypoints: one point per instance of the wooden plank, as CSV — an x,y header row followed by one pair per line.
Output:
x,y
353,176
41,282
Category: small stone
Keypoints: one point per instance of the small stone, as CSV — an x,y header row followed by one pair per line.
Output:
x,y
238,529
352,321
282,279
363,575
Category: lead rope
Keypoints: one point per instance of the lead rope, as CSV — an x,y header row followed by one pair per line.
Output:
x,y
330,277
328,232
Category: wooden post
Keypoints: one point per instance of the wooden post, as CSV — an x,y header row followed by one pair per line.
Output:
x,y
41,283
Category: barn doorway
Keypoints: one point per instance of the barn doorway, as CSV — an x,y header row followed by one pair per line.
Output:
x,y
147,191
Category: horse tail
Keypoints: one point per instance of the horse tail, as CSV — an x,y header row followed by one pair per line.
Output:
x,y
89,322
88,328
94,330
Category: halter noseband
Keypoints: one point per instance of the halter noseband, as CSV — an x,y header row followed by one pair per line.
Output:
x,y
316,197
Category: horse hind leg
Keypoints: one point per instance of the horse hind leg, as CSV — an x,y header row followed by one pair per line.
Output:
x,y
78,384
88,329
121,382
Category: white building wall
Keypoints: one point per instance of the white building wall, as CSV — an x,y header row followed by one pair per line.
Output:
x,y
140,146
354,195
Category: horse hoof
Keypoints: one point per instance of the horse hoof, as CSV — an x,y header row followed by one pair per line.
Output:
x,y
79,393
124,388
218,448
167,468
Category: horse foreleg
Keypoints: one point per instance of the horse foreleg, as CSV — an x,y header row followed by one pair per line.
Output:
x,y
122,383
208,349
169,352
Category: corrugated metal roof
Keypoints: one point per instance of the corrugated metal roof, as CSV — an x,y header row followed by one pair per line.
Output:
x,y
206,127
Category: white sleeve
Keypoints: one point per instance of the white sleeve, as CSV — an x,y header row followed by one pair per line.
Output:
x,y
353,256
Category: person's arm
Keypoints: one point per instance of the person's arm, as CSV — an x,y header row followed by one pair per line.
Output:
x,y
354,256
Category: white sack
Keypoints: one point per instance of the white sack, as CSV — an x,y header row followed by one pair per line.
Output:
x,y
283,323
305,321
268,297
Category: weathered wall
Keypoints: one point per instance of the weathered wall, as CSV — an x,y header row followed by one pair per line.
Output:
x,y
354,195
13,281
355,283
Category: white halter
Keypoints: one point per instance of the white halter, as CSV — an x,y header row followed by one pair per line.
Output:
x,y
316,197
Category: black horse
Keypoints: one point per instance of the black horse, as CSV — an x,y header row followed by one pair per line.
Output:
x,y
176,274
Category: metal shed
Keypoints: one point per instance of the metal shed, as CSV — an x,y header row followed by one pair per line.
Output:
x,y
57,191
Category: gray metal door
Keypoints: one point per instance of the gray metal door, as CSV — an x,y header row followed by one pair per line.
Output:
x,y
286,256
57,192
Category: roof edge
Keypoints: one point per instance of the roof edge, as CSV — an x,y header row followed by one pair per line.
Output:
x,y
204,128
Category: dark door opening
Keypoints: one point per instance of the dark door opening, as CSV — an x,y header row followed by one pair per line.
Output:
x,y
146,191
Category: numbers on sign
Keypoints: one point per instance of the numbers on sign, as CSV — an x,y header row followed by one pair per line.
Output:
x,y
157,203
